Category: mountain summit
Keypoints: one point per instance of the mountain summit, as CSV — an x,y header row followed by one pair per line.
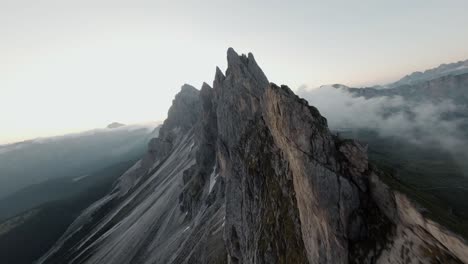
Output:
x,y
248,172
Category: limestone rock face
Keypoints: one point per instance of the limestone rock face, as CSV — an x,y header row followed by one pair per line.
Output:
x,y
248,172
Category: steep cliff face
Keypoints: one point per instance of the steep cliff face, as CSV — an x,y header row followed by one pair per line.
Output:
x,y
162,210
247,172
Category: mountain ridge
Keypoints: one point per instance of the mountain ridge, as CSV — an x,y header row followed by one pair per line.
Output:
x,y
444,69
248,172
446,82
451,87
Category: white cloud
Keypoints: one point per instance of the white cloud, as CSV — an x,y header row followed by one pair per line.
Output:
x,y
419,123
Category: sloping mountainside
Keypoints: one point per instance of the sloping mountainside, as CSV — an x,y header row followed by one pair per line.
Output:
x,y
27,236
247,172
74,155
53,190
418,133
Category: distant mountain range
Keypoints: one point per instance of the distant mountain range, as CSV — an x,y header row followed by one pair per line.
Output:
x,y
453,87
448,81
453,69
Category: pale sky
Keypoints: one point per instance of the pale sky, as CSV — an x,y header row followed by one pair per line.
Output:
x,y
68,66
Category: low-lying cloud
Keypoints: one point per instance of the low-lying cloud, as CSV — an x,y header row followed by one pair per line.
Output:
x,y
427,123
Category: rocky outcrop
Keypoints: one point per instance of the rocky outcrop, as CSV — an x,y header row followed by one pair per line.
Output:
x,y
248,172
115,125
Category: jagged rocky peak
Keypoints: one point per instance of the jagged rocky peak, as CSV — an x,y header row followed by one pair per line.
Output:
x,y
282,168
308,191
248,172
245,67
183,113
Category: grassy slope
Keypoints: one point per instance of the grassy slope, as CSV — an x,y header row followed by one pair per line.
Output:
x,y
35,234
428,175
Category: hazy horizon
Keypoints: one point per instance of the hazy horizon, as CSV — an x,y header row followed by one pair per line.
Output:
x,y
75,66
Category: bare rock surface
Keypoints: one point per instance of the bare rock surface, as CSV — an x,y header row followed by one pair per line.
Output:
x,y
248,172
